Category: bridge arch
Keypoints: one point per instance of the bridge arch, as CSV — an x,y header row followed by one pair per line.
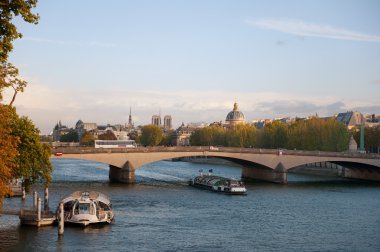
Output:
x,y
271,165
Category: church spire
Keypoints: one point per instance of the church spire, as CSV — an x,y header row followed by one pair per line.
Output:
x,y
130,116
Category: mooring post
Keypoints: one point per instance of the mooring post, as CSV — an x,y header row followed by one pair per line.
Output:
x,y
46,200
23,194
38,211
34,199
61,220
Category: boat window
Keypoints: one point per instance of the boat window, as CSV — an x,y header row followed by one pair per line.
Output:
x,y
84,208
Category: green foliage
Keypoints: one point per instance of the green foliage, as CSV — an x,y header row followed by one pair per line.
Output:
x,y
8,33
274,135
151,135
371,138
87,139
167,139
10,152
32,163
318,134
8,10
243,135
312,134
70,137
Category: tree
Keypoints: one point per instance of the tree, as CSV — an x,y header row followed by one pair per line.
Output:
x,y
167,139
72,136
8,151
318,134
8,10
8,72
87,139
9,78
109,135
151,135
134,135
371,138
33,160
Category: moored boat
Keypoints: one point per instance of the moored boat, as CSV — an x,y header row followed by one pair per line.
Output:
x,y
218,184
86,208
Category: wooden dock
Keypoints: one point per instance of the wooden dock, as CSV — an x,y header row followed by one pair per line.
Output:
x,y
32,217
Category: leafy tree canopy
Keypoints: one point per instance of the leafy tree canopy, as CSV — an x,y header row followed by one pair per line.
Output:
x,y
109,135
151,135
87,139
8,150
70,137
312,134
32,163
8,10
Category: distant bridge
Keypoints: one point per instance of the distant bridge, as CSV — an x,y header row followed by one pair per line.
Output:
x,y
261,164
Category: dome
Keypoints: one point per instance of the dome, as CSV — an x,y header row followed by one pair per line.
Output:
x,y
79,124
235,116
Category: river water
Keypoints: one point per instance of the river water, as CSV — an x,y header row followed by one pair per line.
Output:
x,y
161,213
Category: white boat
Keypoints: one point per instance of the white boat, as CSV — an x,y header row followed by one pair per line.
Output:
x,y
86,208
218,184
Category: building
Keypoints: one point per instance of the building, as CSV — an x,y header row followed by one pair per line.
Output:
x,y
234,117
81,127
130,126
351,119
181,136
167,123
156,120
59,130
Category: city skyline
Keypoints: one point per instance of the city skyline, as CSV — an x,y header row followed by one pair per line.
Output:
x,y
193,60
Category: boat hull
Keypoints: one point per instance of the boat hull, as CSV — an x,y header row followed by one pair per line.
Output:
x,y
224,190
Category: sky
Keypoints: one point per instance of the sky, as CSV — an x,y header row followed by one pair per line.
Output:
x,y
94,60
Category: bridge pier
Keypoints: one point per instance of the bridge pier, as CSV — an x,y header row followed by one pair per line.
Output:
x,y
361,173
122,175
277,175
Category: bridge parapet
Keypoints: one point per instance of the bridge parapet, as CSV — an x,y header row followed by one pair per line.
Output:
x,y
92,150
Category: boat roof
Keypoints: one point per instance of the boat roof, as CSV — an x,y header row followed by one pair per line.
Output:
x,y
92,195
213,177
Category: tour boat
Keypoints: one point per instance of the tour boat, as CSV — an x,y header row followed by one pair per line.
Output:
x,y
218,184
86,208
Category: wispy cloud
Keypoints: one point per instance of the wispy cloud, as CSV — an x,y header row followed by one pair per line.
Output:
x,y
71,43
302,28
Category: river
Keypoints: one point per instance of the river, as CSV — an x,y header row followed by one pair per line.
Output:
x,y
161,213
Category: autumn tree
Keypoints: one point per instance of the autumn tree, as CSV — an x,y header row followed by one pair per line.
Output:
x,y
167,138
8,151
151,135
318,134
109,135
9,79
87,139
32,164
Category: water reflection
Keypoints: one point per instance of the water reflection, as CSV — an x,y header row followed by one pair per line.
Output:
x,y
162,213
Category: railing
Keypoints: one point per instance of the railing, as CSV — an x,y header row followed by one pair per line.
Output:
x,y
90,150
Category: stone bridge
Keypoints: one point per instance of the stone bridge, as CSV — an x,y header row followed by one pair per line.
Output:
x,y
260,164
